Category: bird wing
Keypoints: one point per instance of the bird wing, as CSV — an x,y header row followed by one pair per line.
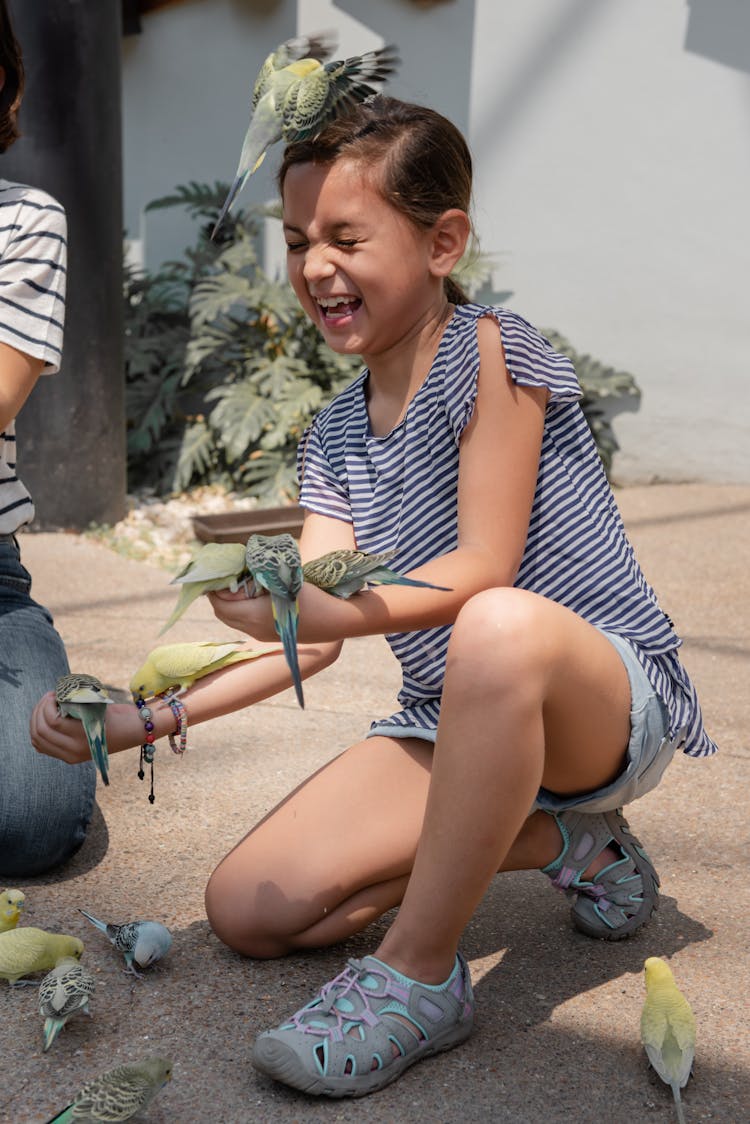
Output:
x,y
175,662
312,103
213,560
80,688
21,950
116,1095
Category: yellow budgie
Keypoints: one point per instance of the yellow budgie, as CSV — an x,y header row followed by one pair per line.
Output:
x,y
668,1029
27,950
11,904
178,666
214,566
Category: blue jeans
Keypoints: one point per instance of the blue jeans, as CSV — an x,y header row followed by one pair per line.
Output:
x,y
45,804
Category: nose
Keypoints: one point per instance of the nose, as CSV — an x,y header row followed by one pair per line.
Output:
x,y
317,265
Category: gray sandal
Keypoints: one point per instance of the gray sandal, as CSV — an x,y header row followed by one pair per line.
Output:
x,y
622,896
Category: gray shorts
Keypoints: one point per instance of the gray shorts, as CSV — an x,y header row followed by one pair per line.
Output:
x,y
649,748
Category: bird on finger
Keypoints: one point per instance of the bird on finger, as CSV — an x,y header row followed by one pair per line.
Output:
x,y
296,93
27,950
345,572
140,942
119,1093
85,698
64,992
214,566
668,1029
11,907
175,667
276,567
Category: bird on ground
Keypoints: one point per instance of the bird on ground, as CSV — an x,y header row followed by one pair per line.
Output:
x,y
214,566
276,566
85,698
668,1029
64,992
296,93
11,907
119,1093
144,942
27,950
175,667
345,572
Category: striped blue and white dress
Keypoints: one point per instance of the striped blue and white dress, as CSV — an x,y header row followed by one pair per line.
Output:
x,y
400,493
33,254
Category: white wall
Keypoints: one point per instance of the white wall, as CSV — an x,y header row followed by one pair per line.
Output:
x,y
612,155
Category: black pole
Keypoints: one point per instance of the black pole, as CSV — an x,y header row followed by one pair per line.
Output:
x,y
72,429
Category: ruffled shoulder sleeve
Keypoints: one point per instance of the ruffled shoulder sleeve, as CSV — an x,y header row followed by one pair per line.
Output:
x,y
532,361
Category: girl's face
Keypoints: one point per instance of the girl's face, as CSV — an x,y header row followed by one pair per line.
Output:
x,y
360,269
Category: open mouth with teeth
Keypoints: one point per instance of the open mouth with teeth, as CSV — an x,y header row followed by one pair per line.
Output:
x,y
335,309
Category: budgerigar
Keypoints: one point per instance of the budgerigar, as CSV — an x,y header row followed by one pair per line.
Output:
x,y
275,564
296,93
11,905
178,666
85,698
214,566
62,993
119,1093
27,950
144,942
667,1029
345,572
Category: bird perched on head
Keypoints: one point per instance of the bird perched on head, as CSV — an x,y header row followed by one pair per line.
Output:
x,y
119,1093
179,665
276,567
11,905
144,942
667,1029
214,566
62,993
296,93
345,572
27,950
85,698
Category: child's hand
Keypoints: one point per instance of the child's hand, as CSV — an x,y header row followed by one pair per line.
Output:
x,y
65,738
252,615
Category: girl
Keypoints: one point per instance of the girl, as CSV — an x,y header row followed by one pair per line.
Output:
x,y
540,694
44,807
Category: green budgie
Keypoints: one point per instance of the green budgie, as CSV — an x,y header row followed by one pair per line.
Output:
x,y
11,905
668,1029
27,950
345,572
119,1093
64,992
144,942
179,665
85,698
214,566
296,93
275,564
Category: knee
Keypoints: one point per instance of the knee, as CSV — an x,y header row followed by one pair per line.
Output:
x,y
499,632
240,915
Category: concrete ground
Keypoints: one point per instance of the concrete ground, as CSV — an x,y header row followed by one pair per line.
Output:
x,y
557,1034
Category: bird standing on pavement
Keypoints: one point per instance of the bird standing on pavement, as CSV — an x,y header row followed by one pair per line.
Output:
x,y
85,698
64,992
11,905
668,1029
144,942
214,566
345,572
27,950
296,93
119,1093
276,567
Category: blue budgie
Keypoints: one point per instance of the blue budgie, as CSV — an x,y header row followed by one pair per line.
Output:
x,y
275,564
296,93
345,572
85,698
144,942
119,1093
64,992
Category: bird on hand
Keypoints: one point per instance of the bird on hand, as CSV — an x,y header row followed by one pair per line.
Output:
x,y
214,566
175,667
668,1029
296,93
119,1093
345,572
144,942
85,698
276,567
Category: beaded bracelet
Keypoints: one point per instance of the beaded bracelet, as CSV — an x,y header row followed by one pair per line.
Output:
x,y
148,749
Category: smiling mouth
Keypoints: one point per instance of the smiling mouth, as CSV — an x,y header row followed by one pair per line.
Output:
x,y
337,308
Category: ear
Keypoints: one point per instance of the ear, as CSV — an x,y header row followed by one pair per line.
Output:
x,y
449,237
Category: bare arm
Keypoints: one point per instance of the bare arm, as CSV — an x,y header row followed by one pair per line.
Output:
x,y
18,375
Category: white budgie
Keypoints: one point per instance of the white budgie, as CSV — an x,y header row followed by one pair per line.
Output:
x,y
296,93
64,992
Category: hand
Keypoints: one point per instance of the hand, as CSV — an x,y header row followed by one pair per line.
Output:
x,y
65,738
252,615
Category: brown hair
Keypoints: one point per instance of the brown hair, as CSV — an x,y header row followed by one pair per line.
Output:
x,y
424,160
12,88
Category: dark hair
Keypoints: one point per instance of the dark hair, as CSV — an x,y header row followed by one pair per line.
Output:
x,y
12,88
425,163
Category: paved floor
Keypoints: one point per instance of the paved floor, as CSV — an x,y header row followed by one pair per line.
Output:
x,y
557,1034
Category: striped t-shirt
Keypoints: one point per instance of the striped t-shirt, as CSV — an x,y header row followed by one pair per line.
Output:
x,y
32,310
400,493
